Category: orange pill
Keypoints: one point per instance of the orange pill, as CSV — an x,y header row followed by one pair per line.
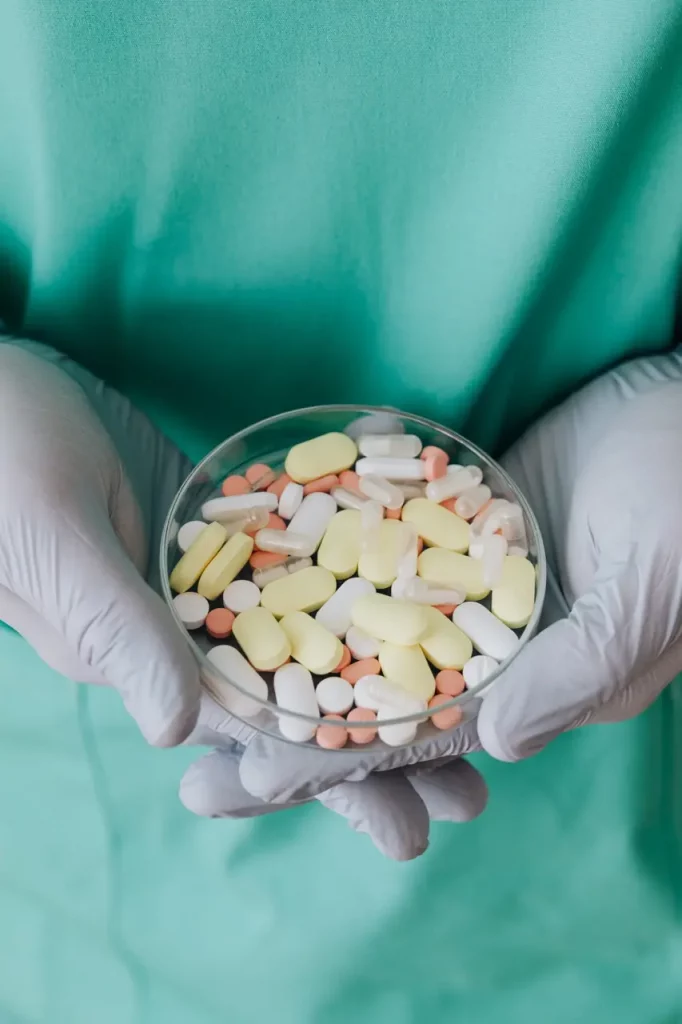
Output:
x,y
358,669
266,559
436,466
345,660
431,450
275,522
361,715
279,485
449,504
219,623
322,485
350,480
331,737
260,476
233,485
393,513
446,609
451,682
448,718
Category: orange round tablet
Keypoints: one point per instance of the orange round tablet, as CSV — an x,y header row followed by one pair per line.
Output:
x,y
219,623
233,485
431,450
350,480
448,718
358,669
451,682
266,559
435,466
361,736
332,737
260,476
279,485
446,609
345,660
393,513
323,484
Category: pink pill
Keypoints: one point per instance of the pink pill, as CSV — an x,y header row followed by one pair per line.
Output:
x,y
345,660
449,504
266,559
331,737
451,682
448,718
436,466
260,476
446,609
364,667
275,522
279,485
431,450
350,480
361,715
234,485
219,623
322,485
393,513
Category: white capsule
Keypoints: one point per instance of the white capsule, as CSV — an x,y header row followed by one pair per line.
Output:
x,y
346,498
485,522
415,490
254,519
236,505
375,423
232,664
335,614
240,595
296,564
509,519
294,691
472,501
313,518
334,695
453,484
290,500
189,532
407,563
261,577
392,446
487,633
494,552
191,609
285,542
419,591
378,489
477,669
395,735
360,644
371,518
384,694
392,469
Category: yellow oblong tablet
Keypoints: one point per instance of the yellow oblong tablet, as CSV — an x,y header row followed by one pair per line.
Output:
x,y
444,643
227,564
303,591
436,525
514,598
340,548
312,645
408,667
387,618
450,569
262,639
329,453
379,561
196,558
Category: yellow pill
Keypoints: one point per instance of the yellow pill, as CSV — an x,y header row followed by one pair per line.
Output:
x,y
461,572
196,558
262,639
303,591
444,643
408,667
312,646
386,618
329,453
227,564
513,599
340,548
379,561
436,525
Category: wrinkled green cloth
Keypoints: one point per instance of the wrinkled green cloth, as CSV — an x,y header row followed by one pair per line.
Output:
x,y
463,208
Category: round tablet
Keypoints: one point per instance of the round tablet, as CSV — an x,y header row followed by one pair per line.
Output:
x,y
192,609
188,533
365,735
331,737
334,695
451,682
219,623
360,644
260,476
234,485
448,718
241,596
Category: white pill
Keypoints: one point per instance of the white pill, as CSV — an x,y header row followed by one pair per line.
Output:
x,y
284,542
486,632
392,446
417,590
236,505
261,577
334,695
392,469
313,517
453,484
375,423
241,595
377,488
294,691
493,554
371,518
335,614
290,500
395,735
232,664
360,644
296,564
189,532
192,609
384,694
472,501
477,669
414,490
346,498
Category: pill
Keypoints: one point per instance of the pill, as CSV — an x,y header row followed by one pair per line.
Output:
x,y
395,735
350,480
485,522
277,488
436,525
371,517
377,488
446,609
335,613
382,422
393,513
514,597
376,692
478,669
413,490
472,501
322,486
509,521
360,644
329,453
487,633
345,660
227,564
447,717
241,595
274,522
450,569
234,506
340,548
392,446
391,469
450,682
445,645
191,609
332,737
240,676
260,476
262,639
253,521
219,623
407,667
430,450
188,533
285,542
398,622
379,558
296,564
198,555
266,559
294,691
232,485
418,590
334,695
303,591
348,499
407,562
313,517
311,645
435,465
263,576
358,734
492,555
364,667
453,484
290,500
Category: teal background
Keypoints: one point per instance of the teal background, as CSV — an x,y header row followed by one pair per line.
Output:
x,y
463,208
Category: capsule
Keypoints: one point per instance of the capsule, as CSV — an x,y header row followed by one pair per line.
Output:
x,y
453,484
392,446
472,501
392,469
377,488
234,507
346,498
285,542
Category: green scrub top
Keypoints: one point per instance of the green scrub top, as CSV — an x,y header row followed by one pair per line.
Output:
x,y
227,208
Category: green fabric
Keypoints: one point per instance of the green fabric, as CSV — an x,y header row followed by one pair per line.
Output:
x,y
460,207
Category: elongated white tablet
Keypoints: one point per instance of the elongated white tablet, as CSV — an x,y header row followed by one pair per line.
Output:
x,y
313,518
294,691
486,632
232,664
335,614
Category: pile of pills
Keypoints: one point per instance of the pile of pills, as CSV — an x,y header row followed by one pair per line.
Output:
x,y
369,580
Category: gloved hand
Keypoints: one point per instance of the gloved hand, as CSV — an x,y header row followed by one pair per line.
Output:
x,y
603,473
86,483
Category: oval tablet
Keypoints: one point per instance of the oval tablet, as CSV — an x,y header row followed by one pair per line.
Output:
x,y
237,505
262,639
478,669
329,453
227,564
486,632
514,597
312,518
444,643
335,614
439,527
311,645
340,548
461,572
200,552
232,664
408,667
381,555
397,622
303,591
294,691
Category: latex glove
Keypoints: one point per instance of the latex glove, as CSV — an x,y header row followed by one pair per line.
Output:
x,y
86,483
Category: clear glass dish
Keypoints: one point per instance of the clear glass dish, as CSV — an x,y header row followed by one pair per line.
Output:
x,y
269,441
